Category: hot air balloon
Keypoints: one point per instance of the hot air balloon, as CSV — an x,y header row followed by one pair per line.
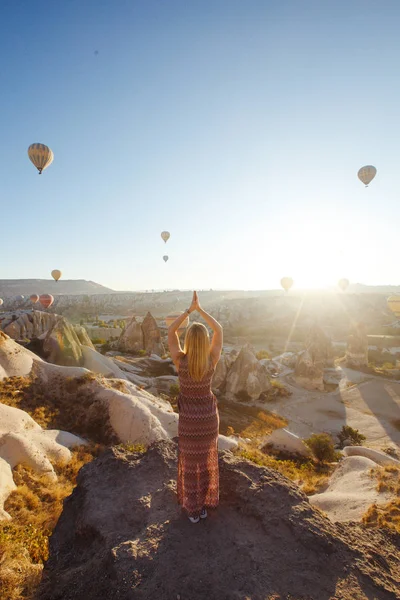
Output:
x,y
34,298
393,303
41,156
343,284
19,298
366,174
286,283
172,317
165,258
165,236
1,302
56,274
46,300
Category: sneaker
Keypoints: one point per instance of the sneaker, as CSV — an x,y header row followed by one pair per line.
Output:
x,y
203,514
194,519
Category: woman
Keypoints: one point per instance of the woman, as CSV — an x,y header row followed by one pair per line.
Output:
x,y
198,478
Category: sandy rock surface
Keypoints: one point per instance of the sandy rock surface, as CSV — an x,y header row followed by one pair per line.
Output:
x,y
122,536
22,440
351,490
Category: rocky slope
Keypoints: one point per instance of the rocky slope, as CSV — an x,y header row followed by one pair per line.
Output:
x,y
121,535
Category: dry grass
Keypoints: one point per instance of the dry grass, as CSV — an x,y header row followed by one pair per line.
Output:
x,y
72,407
35,507
308,475
262,424
386,515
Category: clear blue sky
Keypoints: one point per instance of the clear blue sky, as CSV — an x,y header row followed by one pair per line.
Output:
x,y
237,125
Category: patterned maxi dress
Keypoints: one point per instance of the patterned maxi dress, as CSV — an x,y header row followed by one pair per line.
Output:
x,y
198,477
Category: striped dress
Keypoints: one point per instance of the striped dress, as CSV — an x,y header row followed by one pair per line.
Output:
x,y
198,477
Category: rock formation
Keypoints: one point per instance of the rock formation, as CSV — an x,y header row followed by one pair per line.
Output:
x,y
131,339
22,440
152,336
309,370
351,490
357,347
83,336
28,324
61,345
122,535
247,377
221,371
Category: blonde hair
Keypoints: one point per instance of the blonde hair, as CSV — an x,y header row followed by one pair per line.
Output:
x,y
197,349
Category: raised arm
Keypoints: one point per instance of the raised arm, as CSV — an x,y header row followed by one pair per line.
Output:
x,y
173,338
217,339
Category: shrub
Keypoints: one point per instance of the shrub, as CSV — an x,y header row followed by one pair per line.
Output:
x,y
174,390
98,341
321,445
279,388
352,435
262,354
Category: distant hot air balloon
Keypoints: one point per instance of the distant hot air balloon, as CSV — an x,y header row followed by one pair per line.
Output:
x,y
46,300
165,258
1,302
165,236
41,156
343,284
172,317
366,174
56,274
34,298
19,298
286,283
393,303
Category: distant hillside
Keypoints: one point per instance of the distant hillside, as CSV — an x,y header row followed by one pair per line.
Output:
x,y
26,287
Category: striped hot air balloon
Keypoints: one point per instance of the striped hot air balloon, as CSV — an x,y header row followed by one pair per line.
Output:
x,y
46,300
41,156
34,298
366,174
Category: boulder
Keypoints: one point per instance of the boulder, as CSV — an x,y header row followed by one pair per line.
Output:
x,y
380,458
285,441
122,535
152,336
61,345
357,347
131,339
247,377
